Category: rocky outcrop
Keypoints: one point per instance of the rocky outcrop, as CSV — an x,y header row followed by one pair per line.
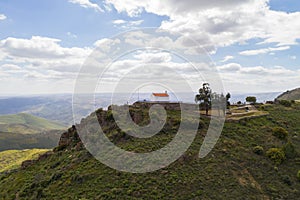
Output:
x,y
166,105
69,140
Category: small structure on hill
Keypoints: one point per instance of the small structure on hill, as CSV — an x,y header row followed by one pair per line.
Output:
x,y
160,97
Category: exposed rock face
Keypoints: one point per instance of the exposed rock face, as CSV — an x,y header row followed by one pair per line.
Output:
x,y
147,105
27,163
69,140
289,95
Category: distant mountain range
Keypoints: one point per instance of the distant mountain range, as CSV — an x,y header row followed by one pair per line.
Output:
x,y
56,108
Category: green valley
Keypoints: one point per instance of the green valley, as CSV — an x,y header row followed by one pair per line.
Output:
x,y
24,131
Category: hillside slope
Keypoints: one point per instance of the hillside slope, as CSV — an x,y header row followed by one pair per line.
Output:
x,y
233,170
13,159
17,141
27,124
290,95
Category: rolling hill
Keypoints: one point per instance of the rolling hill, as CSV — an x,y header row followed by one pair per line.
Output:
x,y
24,131
17,141
250,161
290,95
24,123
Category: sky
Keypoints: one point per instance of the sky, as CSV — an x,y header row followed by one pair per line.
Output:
x,y
253,44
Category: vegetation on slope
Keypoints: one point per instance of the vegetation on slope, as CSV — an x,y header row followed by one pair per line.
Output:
x,y
237,168
26,124
17,141
13,159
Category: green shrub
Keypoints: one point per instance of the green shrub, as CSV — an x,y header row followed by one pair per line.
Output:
x,y
109,115
259,150
277,155
251,99
285,103
280,133
287,180
298,175
289,150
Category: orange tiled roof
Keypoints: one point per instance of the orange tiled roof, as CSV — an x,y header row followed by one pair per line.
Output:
x,y
161,94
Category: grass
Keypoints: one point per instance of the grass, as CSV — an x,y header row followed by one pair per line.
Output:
x,y
9,141
231,171
27,124
246,115
12,159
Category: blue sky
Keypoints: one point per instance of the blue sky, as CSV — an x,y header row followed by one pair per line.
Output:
x,y
266,47
56,18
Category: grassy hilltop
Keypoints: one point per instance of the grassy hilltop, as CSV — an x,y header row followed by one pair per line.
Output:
x,y
255,158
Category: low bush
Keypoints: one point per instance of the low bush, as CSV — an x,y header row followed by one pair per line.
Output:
x,y
285,103
298,175
259,150
287,180
280,133
289,150
277,155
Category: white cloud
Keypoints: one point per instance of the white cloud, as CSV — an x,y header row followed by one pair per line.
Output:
x,y
220,23
258,78
263,51
227,58
8,67
154,57
42,56
256,70
105,44
71,35
168,7
39,47
87,4
120,23
231,67
2,17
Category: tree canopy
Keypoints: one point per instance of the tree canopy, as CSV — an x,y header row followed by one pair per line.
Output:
x,y
251,99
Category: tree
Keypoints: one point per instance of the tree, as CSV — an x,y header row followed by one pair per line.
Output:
x,y
228,96
204,96
251,99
